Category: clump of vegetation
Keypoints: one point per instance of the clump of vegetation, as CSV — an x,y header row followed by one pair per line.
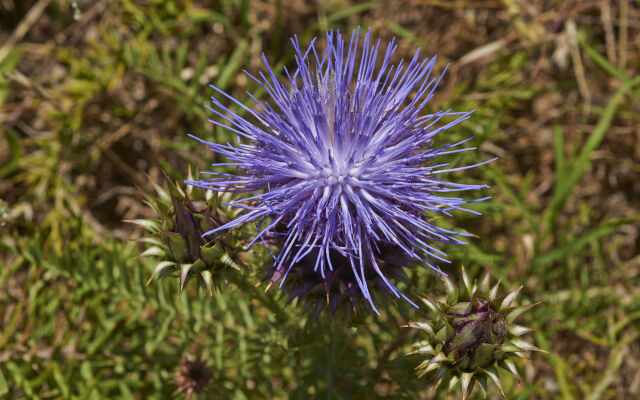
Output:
x,y
95,97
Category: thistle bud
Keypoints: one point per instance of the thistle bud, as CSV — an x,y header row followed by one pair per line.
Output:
x,y
193,376
179,240
471,335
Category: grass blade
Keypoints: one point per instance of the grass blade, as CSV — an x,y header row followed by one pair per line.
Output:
x,y
231,65
513,196
606,65
575,243
572,174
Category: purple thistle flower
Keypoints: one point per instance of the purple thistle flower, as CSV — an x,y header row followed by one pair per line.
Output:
x,y
342,160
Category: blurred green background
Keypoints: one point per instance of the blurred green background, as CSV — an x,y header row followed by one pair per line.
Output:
x,y
98,96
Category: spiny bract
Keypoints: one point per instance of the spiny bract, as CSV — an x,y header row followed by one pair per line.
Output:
x,y
471,335
343,159
179,239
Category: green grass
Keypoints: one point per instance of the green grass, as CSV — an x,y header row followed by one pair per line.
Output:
x,y
90,107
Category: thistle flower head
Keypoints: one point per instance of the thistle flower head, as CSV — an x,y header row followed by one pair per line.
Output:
x,y
341,160
193,376
471,335
176,236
